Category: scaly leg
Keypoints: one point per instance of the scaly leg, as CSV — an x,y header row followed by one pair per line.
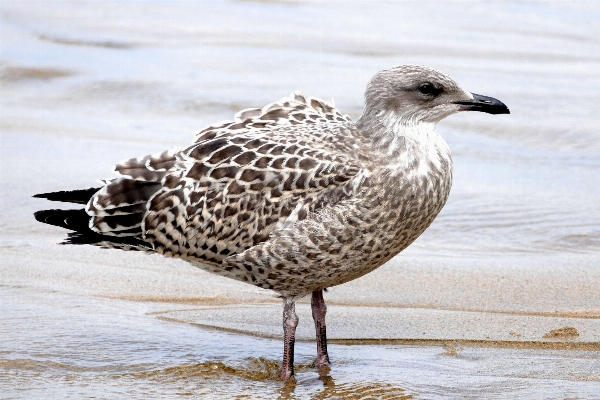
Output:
x,y
290,321
319,309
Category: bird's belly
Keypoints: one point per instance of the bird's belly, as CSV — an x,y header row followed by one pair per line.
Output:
x,y
393,219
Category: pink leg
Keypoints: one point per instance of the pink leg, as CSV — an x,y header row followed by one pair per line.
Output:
x,y
290,321
319,309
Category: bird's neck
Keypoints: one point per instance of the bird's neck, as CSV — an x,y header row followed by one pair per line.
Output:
x,y
398,139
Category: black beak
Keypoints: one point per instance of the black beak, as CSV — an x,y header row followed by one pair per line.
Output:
x,y
485,104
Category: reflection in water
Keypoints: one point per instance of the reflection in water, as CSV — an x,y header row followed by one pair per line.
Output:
x,y
194,378
350,391
353,391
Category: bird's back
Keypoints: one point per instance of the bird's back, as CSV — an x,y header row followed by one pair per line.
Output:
x,y
238,182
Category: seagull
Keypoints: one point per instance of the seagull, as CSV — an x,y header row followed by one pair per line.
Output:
x,y
294,197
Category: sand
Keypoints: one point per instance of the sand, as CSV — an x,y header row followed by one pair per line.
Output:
x,y
497,299
410,300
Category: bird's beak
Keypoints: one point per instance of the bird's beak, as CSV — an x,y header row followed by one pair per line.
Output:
x,y
485,104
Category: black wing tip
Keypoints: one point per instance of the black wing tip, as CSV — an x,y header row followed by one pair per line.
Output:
x,y
43,215
74,220
77,221
81,238
80,196
93,238
49,195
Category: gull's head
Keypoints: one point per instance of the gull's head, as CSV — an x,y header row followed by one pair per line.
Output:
x,y
412,94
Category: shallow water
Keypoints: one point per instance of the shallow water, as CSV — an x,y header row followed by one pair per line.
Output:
x,y
84,85
82,347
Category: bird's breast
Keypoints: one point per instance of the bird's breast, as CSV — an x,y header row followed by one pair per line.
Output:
x,y
403,197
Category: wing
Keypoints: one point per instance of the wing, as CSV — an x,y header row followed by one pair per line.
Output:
x,y
336,244
296,110
238,182
314,254
227,194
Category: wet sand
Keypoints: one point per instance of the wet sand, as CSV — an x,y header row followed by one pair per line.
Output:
x,y
409,300
498,299
98,320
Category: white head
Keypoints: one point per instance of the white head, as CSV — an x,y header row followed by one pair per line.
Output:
x,y
412,94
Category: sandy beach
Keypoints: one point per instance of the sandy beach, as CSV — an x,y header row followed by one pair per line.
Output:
x,y
497,299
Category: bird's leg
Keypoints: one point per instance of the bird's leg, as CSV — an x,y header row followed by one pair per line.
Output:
x,y
319,309
290,321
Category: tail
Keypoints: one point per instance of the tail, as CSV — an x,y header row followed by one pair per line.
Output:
x,y
75,220
79,222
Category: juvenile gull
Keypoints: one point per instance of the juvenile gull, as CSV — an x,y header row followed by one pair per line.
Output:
x,y
293,197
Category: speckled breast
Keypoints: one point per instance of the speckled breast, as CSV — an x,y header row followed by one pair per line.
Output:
x,y
351,238
394,211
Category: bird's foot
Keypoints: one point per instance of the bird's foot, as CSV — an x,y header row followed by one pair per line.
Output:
x,y
286,375
321,361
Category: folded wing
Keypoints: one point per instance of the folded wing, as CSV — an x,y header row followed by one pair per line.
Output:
x,y
240,181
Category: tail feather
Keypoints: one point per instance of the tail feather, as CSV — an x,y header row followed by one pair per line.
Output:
x,y
70,196
113,221
124,243
76,220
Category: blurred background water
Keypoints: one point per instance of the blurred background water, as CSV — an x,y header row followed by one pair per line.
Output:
x,y
85,84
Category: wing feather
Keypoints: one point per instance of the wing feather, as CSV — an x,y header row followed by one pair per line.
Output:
x,y
150,168
238,182
224,195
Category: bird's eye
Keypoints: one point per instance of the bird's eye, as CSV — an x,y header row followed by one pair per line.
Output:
x,y
426,88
